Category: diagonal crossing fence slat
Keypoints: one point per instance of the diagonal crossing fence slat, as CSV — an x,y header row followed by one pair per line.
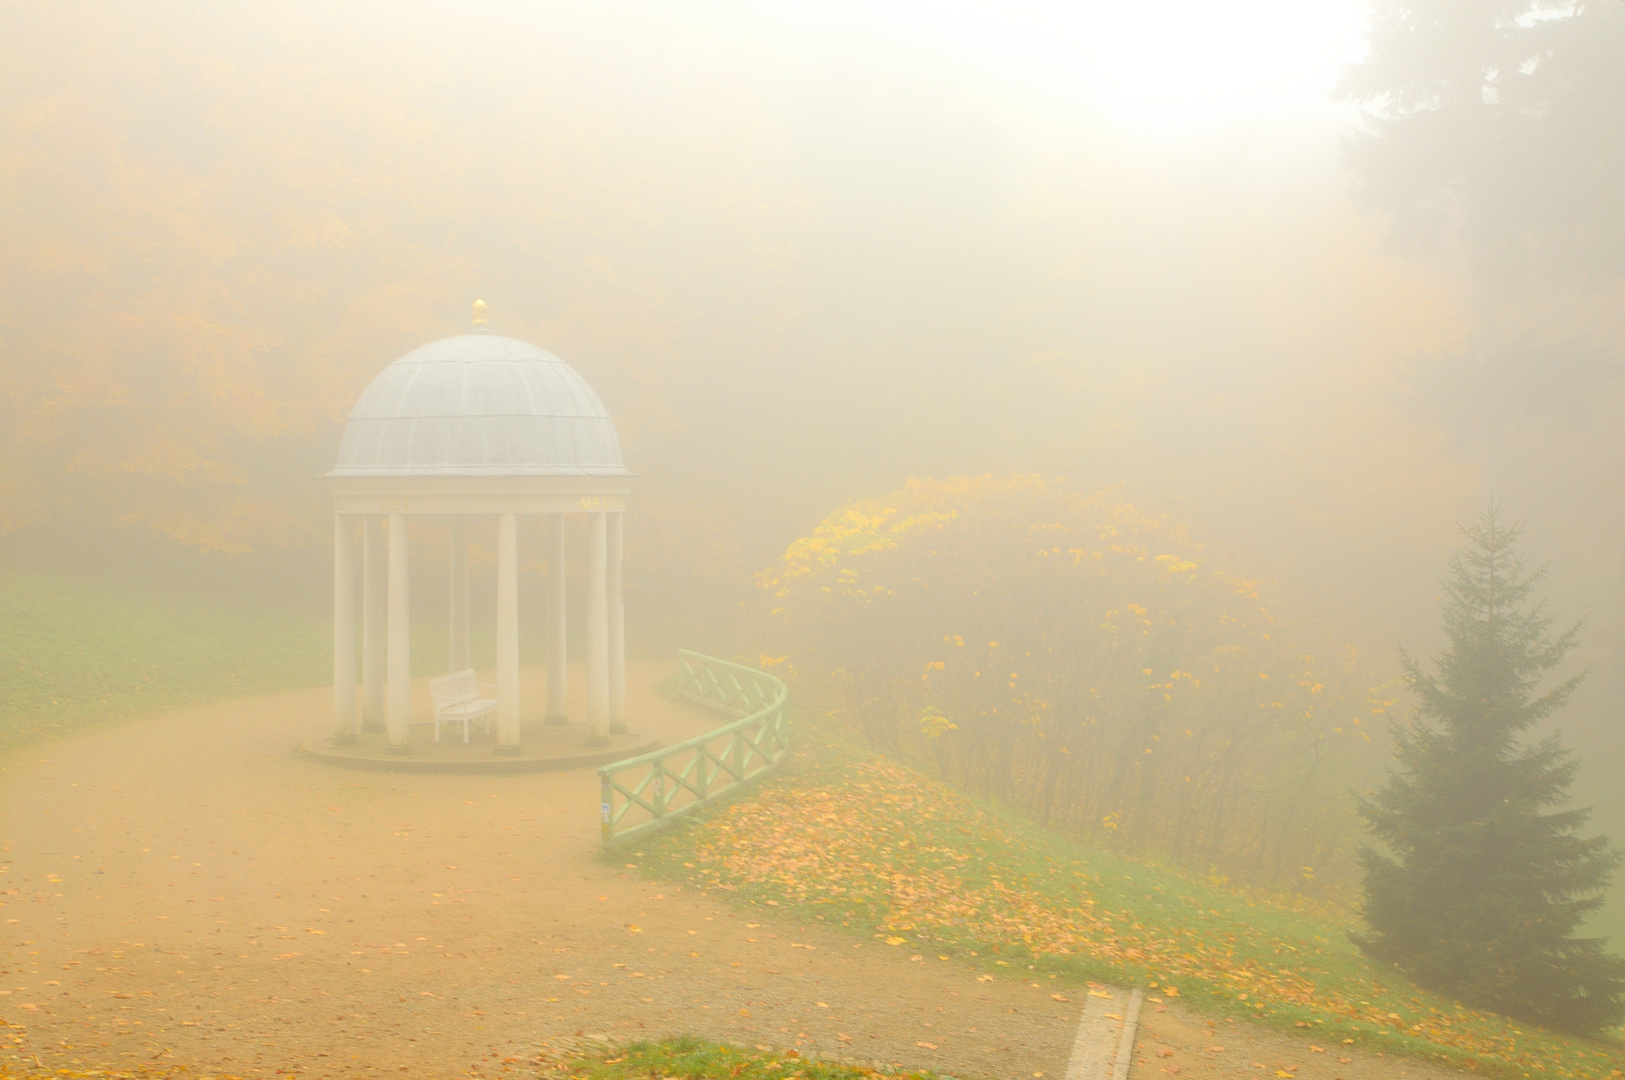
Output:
x,y
646,792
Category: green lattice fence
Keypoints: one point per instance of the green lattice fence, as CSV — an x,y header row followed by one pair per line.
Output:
x,y
646,792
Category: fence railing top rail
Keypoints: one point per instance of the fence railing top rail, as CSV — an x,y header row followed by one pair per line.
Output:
x,y
780,694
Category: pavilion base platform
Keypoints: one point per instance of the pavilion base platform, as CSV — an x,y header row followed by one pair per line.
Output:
x,y
543,747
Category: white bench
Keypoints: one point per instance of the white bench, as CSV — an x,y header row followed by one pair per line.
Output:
x,y
457,701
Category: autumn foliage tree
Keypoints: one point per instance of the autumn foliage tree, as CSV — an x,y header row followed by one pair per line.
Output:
x,y
1085,660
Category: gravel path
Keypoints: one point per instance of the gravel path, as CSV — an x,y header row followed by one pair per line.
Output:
x,y
182,890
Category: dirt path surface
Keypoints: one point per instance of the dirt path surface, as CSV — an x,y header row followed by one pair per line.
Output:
x,y
183,890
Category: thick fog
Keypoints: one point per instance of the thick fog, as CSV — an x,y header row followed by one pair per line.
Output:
x,y
804,253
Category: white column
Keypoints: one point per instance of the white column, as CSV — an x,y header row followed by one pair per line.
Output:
x,y
343,631
597,626
617,625
459,596
507,635
557,641
373,613
399,704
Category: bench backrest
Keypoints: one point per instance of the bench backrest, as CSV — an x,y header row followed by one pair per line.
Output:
x,y
459,686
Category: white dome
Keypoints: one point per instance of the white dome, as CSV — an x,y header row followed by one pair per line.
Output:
x,y
479,405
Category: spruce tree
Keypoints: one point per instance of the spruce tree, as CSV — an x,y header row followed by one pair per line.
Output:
x,y
1484,880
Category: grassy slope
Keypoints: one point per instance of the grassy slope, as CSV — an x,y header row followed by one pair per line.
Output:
x,y
882,850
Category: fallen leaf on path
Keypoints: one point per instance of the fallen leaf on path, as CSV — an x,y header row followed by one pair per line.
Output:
x,y
1165,1053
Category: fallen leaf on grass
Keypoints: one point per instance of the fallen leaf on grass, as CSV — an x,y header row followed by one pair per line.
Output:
x,y
1214,1050
1317,1049
928,1046
895,940
1165,1053
1060,997
984,978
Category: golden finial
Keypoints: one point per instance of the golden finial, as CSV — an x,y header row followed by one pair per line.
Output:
x,y
479,315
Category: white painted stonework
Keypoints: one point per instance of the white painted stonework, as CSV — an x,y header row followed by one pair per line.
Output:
x,y
476,424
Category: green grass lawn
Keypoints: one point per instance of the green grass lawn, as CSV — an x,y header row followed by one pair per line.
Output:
x,y
878,849
696,1059
74,652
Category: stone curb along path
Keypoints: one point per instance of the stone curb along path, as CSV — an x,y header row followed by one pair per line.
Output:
x,y
183,890
1104,1047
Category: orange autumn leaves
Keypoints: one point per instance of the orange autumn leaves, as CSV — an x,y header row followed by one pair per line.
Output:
x,y
879,847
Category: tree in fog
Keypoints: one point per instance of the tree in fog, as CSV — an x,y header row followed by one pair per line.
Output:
x,y
1485,880
1487,133
1489,125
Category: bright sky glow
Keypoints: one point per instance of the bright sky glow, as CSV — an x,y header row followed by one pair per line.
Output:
x,y
1181,65
1165,69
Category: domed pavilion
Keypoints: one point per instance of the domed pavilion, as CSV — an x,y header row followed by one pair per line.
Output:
x,y
476,424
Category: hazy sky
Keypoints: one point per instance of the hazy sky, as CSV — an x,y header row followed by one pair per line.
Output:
x,y
1159,70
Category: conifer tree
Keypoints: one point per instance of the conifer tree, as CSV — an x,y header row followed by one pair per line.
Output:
x,y
1485,881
